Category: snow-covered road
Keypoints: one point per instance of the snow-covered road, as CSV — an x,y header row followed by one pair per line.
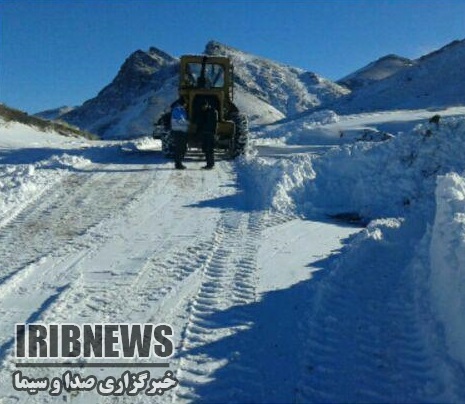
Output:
x,y
135,241
270,300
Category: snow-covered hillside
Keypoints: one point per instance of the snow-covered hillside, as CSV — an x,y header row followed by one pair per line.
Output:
x,y
323,269
11,116
376,71
434,80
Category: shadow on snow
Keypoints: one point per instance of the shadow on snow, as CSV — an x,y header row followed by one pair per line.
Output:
x,y
264,361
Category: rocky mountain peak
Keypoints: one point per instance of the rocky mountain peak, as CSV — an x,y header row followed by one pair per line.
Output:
x,y
158,53
215,48
141,64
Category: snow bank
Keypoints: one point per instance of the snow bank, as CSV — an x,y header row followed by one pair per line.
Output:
x,y
402,186
146,143
374,180
328,128
389,178
447,255
270,183
316,128
22,183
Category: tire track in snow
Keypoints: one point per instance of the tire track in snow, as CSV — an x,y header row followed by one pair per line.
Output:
x,y
136,292
365,342
165,284
133,292
43,244
76,204
228,279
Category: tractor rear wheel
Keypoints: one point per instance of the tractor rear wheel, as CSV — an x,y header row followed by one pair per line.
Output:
x,y
241,134
167,144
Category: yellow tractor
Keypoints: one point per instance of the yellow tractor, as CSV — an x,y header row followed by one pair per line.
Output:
x,y
208,78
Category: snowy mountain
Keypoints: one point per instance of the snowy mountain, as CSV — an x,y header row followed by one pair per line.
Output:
x,y
375,71
434,80
147,83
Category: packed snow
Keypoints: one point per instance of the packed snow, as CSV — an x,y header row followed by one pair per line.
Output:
x,y
447,254
322,266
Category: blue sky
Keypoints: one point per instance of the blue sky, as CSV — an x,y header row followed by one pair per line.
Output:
x,y
63,52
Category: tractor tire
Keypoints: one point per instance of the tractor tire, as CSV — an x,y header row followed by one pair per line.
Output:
x,y
241,135
167,144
